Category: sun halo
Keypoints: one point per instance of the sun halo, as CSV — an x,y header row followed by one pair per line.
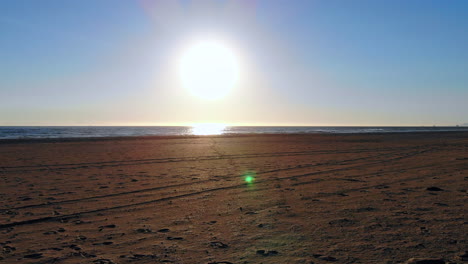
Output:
x,y
209,69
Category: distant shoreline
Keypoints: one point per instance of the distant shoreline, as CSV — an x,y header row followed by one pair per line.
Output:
x,y
165,137
80,133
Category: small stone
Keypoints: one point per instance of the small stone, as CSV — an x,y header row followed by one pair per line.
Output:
x,y
75,247
272,252
103,261
144,230
33,256
425,261
434,189
267,253
87,255
218,244
80,237
174,238
463,256
327,258
341,222
8,249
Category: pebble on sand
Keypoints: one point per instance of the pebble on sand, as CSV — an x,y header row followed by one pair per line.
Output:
x,y
425,261
434,189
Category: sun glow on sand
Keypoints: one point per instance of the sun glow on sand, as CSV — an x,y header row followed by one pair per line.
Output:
x,y
209,69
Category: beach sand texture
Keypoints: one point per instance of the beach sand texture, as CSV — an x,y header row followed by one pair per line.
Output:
x,y
368,198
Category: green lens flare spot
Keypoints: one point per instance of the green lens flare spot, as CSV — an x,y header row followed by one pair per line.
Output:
x,y
249,179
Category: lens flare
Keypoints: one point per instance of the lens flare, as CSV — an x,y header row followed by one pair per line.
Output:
x,y
249,177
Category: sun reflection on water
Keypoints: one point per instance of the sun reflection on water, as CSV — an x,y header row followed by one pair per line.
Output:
x,y
204,129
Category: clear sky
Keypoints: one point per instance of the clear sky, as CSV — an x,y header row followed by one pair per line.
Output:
x,y
311,62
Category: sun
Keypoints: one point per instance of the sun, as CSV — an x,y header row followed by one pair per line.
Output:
x,y
209,69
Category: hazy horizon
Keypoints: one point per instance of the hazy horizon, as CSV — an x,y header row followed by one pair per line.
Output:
x,y
255,63
233,125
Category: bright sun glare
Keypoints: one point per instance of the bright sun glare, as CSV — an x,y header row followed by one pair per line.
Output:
x,y
209,70
203,129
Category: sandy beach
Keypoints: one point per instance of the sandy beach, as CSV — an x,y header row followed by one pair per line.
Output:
x,y
358,198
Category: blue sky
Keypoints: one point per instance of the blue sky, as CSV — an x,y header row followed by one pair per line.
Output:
x,y
112,62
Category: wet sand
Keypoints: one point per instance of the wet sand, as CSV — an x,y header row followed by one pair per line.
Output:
x,y
314,199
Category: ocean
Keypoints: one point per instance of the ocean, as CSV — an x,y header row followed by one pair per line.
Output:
x,y
32,132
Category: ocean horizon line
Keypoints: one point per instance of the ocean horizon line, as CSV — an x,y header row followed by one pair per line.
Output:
x,y
38,132
235,125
